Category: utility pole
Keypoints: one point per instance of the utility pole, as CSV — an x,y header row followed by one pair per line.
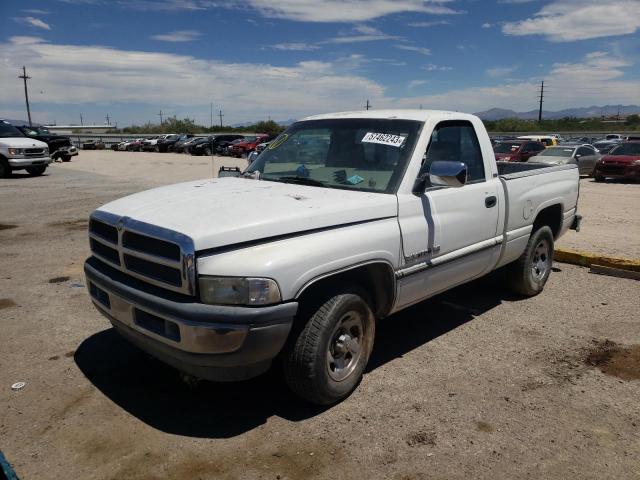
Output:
x,y
81,120
220,115
108,119
160,115
541,101
26,93
211,120
368,105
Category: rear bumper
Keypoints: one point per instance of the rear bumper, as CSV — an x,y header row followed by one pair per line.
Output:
x,y
223,343
28,162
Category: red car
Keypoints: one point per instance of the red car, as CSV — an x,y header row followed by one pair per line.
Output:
x,y
248,145
621,162
516,150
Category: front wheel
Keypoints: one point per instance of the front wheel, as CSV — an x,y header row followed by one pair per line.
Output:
x,y
66,158
529,274
599,178
36,171
324,362
5,169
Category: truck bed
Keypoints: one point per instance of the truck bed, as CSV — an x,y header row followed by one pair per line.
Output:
x,y
511,170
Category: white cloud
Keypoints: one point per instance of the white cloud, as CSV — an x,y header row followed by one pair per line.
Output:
x,y
346,10
597,80
37,11
497,72
432,23
430,67
33,22
571,20
416,83
412,48
487,25
295,47
177,36
361,33
72,75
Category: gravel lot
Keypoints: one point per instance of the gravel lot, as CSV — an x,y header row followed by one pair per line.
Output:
x,y
471,384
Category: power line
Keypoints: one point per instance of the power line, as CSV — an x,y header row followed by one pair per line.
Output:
x,y
26,93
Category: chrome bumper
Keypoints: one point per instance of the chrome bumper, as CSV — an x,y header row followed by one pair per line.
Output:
x,y
28,162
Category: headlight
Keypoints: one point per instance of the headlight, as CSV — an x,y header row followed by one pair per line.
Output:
x,y
239,291
506,159
16,151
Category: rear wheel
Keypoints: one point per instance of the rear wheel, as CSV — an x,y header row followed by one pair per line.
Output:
x,y
36,171
5,169
599,178
207,151
66,158
529,274
325,360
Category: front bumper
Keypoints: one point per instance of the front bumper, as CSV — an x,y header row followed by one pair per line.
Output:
x,y
223,343
28,162
614,170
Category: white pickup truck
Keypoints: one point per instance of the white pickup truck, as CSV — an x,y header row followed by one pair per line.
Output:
x,y
343,220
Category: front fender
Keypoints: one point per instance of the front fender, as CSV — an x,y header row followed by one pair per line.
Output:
x,y
296,261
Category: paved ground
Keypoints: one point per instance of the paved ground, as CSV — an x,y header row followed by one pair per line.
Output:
x,y
472,384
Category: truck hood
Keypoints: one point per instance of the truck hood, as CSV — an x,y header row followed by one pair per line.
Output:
x,y
226,211
22,142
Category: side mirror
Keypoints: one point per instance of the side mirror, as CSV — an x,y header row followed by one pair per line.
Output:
x,y
448,174
441,174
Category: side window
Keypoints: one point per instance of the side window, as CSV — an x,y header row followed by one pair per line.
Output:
x,y
457,142
537,147
584,152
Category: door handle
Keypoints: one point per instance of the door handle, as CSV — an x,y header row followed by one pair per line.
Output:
x,y
490,201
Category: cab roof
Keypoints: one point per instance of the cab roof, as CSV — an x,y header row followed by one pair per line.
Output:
x,y
394,114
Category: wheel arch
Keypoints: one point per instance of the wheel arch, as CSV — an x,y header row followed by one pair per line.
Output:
x,y
550,216
377,278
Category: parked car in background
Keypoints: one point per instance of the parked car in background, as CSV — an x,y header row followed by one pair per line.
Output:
x,y
167,144
18,152
605,146
213,143
183,145
621,162
585,156
149,143
547,140
224,148
248,145
93,145
517,150
614,136
60,147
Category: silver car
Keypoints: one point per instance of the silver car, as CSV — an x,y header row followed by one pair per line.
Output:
x,y
585,156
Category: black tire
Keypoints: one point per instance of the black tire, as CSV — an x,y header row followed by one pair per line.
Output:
x,y
66,158
36,171
599,178
326,339
528,275
5,169
207,151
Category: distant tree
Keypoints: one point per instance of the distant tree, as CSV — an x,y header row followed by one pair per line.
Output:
x,y
633,119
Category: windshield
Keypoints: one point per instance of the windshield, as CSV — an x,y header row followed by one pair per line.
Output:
x,y
626,149
354,154
44,131
506,147
7,130
556,152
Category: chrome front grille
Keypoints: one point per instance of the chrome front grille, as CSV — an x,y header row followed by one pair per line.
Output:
x,y
34,152
153,254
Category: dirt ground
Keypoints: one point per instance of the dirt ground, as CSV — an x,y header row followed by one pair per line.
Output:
x,y
471,384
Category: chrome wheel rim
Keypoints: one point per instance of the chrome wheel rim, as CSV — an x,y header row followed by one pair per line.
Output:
x,y
345,346
541,260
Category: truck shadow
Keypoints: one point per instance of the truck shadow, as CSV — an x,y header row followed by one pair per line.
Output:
x,y
155,394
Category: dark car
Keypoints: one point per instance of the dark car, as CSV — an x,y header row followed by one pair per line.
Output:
x,y
605,146
517,150
621,162
182,146
167,144
213,144
60,147
93,145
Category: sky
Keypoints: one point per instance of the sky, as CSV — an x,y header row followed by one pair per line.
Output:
x,y
282,59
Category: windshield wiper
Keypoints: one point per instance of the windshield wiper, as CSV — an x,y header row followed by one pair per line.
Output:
x,y
299,179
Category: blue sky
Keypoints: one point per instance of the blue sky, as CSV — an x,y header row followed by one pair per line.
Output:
x,y
258,59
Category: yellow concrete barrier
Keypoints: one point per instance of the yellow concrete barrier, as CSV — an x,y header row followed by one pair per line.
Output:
x,y
587,259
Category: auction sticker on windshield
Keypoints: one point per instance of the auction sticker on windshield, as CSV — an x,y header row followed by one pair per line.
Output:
x,y
384,139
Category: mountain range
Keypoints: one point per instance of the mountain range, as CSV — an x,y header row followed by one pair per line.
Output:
x,y
582,112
